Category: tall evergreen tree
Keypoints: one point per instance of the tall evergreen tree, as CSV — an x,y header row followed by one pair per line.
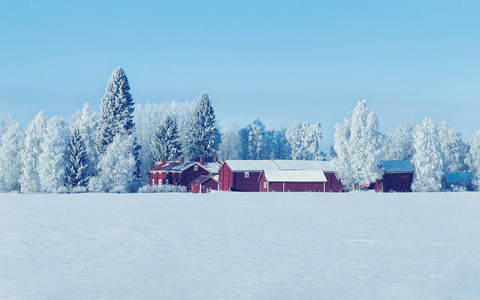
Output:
x,y
116,116
166,141
203,136
86,121
358,148
77,162
29,180
427,160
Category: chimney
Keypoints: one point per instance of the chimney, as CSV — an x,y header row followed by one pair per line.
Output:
x,y
164,161
182,159
202,160
215,159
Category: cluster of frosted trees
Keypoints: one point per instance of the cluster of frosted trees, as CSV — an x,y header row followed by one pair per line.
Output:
x,y
299,142
434,150
109,152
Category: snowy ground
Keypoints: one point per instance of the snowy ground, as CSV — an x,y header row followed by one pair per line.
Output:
x,y
234,245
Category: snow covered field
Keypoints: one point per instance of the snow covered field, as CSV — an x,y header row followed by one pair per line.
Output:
x,y
233,245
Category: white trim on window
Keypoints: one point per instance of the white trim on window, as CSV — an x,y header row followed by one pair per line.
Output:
x,y
247,174
195,168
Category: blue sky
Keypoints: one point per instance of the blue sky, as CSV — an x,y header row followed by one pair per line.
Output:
x,y
279,61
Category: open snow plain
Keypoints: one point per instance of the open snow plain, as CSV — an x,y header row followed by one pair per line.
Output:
x,y
240,245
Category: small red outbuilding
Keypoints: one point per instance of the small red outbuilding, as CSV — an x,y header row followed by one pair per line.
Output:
x,y
204,184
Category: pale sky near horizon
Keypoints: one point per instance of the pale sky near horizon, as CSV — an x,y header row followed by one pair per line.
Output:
x,y
280,61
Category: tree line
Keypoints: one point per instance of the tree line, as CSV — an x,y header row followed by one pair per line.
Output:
x,y
114,150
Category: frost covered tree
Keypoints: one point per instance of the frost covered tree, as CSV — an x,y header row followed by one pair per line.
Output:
x,y
148,117
29,180
166,141
427,160
281,148
254,141
203,137
399,146
85,121
305,140
11,160
6,120
453,149
52,159
229,148
77,168
473,158
118,166
358,148
116,116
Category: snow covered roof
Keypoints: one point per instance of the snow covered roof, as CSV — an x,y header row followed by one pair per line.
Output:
x,y
201,179
175,166
325,166
260,165
461,178
213,166
392,166
295,176
250,165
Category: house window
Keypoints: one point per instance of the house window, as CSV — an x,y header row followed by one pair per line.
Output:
x,y
247,174
159,182
265,185
195,168
166,181
153,181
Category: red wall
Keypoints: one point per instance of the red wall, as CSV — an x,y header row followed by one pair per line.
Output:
x,y
226,178
243,184
333,184
397,182
189,175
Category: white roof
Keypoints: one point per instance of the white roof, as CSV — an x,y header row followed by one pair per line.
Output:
x,y
260,165
295,176
325,166
250,165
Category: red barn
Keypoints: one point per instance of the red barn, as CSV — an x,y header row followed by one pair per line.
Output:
x,y
292,181
204,184
244,175
398,177
177,173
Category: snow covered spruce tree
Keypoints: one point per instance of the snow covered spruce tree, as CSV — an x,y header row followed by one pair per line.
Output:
x,y
117,166
85,121
427,160
77,169
10,159
6,120
203,136
116,116
52,160
166,141
453,149
358,148
473,159
305,140
29,180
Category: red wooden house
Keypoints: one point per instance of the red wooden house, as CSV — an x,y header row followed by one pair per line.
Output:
x,y
177,173
244,175
204,184
398,177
